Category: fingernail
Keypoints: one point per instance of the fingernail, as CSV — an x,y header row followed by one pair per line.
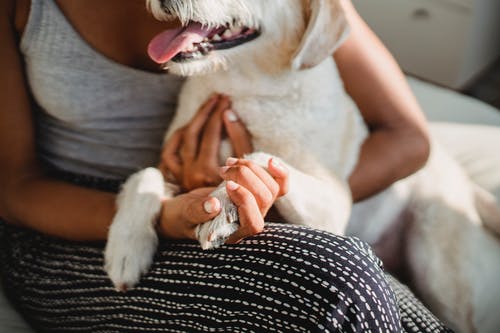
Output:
x,y
212,205
231,116
232,186
231,161
223,169
277,164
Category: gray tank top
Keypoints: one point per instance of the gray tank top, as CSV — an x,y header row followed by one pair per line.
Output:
x,y
94,116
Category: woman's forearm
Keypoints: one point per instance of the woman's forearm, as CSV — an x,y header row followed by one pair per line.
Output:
x,y
59,209
386,157
398,144
26,197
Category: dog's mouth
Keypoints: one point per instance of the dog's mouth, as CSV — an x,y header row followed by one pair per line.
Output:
x,y
195,41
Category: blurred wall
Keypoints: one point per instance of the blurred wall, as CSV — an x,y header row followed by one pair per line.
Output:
x,y
448,42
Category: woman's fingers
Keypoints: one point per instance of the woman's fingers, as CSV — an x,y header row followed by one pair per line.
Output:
x,y
181,214
170,160
192,133
265,185
203,170
276,173
201,143
238,134
280,174
202,210
212,135
256,180
246,198
251,220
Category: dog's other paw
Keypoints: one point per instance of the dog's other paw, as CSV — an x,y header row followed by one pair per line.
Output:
x,y
132,238
214,233
129,255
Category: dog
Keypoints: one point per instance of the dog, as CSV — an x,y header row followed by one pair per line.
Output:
x,y
274,59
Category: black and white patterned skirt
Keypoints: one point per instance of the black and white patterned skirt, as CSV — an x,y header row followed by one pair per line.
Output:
x,y
286,279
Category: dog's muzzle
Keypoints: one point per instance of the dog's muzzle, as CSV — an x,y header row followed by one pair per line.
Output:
x,y
195,41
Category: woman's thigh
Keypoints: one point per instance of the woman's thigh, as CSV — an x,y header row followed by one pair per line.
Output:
x,y
287,278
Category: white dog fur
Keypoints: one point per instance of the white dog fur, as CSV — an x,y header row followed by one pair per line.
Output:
x,y
286,89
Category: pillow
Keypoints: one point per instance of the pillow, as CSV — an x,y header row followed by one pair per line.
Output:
x,y
476,148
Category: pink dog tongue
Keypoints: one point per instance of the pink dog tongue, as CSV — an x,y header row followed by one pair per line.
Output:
x,y
169,43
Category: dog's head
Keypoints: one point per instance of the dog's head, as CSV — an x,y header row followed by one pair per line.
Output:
x,y
272,34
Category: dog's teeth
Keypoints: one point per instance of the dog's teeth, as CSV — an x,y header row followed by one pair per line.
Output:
x,y
205,48
227,34
235,31
217,38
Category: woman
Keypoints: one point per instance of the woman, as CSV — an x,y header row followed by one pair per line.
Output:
x,y
83,107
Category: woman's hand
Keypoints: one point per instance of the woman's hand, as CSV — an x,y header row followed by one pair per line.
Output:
x,y
180,215
191,155
253,190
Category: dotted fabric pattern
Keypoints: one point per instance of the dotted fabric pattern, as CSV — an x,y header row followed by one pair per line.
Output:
x,y
287,279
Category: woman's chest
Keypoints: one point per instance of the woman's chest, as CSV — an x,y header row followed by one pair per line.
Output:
x,y
118,30
78,83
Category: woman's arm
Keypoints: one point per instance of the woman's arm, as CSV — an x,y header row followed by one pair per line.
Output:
x,y
27,197
398,144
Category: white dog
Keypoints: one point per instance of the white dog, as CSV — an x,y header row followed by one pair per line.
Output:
x,y
274,59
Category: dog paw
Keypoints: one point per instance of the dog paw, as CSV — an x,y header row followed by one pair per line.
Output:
x,y
128,255
214,233
132,238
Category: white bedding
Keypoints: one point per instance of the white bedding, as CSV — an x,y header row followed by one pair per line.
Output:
x,y
444,105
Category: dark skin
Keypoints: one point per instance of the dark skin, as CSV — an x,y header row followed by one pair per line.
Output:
x,y
98,22
121,30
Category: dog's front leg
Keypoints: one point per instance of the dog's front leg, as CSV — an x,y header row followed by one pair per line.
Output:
x,y
132,238
318,200
319,203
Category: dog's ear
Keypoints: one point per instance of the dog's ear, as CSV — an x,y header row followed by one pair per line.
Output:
x,y
326,30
